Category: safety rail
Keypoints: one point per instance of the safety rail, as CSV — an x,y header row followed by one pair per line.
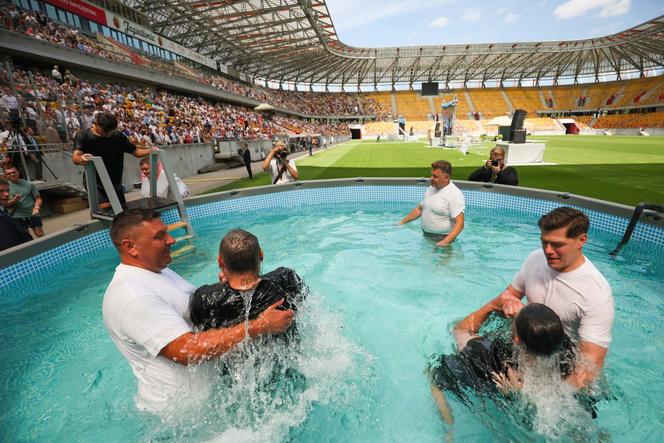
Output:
x,y
653,210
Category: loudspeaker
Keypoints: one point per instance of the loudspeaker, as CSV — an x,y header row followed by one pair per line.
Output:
x,y
518,136
517,125
504,131
436,131
518,119
429,89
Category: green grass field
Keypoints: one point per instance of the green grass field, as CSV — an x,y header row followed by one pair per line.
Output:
x,y
622,169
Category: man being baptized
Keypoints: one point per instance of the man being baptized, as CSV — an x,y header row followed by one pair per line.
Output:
x,y
242,293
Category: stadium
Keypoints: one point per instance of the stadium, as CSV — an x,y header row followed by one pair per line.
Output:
x,y
217,86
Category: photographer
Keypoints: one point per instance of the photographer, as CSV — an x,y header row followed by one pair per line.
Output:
x,y
495,170
282,169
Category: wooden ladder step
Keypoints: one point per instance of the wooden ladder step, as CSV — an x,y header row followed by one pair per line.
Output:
x,y
183,238
176,225
186,249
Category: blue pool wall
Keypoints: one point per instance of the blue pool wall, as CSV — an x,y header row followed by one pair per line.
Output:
x,y
390,193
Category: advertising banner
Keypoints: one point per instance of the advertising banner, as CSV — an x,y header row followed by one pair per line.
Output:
x,y
79,7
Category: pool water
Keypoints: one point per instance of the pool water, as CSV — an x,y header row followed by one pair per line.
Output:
x,y
382,302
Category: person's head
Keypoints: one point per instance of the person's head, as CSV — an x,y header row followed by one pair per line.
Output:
x,y
144,164
4,192
538,329
106,123
12,174
441,173
240,253
28,130
563,233
497,154
142,239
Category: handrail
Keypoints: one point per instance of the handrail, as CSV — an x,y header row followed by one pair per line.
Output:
x,y
638,210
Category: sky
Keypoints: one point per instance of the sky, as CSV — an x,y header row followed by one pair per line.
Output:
x,y
380,23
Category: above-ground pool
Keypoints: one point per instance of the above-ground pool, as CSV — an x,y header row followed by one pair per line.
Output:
x,y
382,302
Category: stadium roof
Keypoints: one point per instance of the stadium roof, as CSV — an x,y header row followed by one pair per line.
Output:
x,y
295,41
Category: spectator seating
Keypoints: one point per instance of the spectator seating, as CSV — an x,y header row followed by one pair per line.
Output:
x,y
489,103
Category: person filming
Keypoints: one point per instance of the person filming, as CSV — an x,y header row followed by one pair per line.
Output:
x,y
495,170
282,169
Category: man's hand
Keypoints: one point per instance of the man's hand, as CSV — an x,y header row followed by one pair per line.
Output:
x,y
35,210
511,307
512,382
275,321
12,201
443,243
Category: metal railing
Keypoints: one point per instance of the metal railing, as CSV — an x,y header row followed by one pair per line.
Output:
x,y
652,210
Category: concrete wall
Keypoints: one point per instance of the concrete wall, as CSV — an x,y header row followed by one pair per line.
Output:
x,y
185,160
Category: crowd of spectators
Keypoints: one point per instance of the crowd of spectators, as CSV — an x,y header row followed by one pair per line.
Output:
x,y
59,106
39,26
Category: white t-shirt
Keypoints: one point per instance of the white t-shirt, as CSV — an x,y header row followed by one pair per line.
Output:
x,y
440,207
582,298
286,177
143,312
162,186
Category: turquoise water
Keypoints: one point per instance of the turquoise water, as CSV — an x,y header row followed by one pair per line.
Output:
x,y
382,302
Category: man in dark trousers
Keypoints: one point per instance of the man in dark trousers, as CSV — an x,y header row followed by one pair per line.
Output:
x,y
34,154
246,158
105,141
11,233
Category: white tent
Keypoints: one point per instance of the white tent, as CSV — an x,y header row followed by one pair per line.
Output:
x,y
264,107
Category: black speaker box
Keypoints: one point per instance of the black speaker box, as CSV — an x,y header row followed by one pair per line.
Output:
x,y
504,131
518,136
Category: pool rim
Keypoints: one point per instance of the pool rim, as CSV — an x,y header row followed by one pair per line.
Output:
x,y
31,249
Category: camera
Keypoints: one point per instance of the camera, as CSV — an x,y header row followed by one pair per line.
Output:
x,y
283,154
495,163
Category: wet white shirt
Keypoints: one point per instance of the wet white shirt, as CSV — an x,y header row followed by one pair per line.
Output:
x,y
440,207
582,298
143,312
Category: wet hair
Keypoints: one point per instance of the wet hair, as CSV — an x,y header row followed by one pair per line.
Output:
x,y
540,329
4,182
144,160
107,121
443,165
576,221
240,251
127,220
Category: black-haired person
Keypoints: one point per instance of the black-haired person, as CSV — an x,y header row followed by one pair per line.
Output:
x,y
487,365
495,170
224,303
105,141
561,277
281,169
146,312
442,208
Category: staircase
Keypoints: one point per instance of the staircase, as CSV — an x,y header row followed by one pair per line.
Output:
x,y
107,210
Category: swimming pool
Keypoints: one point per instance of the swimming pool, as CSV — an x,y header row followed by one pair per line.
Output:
x,y
382,302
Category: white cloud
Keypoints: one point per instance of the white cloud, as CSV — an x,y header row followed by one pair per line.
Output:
x,y
510,18
351,14
439,22
576,8
471,15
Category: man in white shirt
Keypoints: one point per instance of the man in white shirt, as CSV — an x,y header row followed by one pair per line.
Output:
x,y
441,208
146,312
281,169
562,278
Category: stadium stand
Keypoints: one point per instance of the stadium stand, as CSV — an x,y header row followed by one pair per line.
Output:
x,y
412,106
489,103
525,98
379,127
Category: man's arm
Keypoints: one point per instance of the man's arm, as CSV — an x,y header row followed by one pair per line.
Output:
x,y
469,326
292,170
413,215
268,159
142,152
79,158
454,233
509,301
37,207
193,348
588,366
508,176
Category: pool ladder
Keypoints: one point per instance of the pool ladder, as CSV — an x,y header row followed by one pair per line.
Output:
x,y
653,212
106,211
